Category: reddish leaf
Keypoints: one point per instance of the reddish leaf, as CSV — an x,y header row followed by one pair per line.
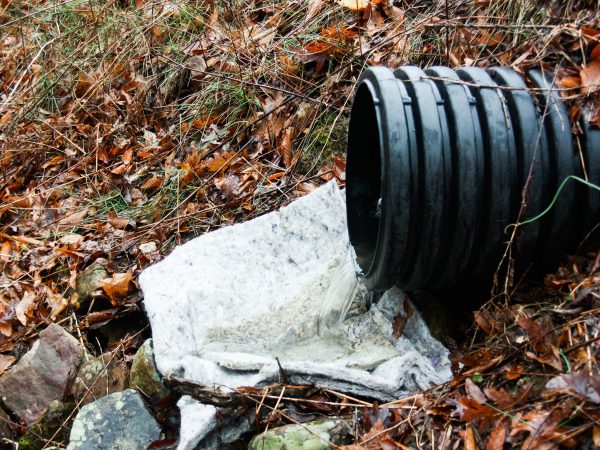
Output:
x,y
468,410
497,437
590,77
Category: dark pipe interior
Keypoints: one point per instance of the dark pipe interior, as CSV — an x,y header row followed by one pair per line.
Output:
x,y
363,189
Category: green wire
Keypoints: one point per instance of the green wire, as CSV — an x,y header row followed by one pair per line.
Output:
x,y
545,211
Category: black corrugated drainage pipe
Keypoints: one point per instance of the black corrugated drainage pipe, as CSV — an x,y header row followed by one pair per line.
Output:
x,y
436,168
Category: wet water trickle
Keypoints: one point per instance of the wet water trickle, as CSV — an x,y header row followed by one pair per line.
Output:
x,y
345,289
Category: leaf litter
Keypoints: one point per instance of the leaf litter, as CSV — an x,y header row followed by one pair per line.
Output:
x,y
127,128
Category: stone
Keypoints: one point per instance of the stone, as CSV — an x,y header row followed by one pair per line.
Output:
x,y
42,375
242,305
119,421
99,377
144,376
89,281
53,426
318,435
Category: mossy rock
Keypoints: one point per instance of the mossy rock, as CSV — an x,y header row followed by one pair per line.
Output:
x,y
318,435
53,426
89,281
144,376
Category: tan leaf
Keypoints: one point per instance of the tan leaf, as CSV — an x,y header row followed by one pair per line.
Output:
x,y
71,239
314,6
117,286
5,250
25,307
5,118
56,302
469,438
354,5
5,362
73,219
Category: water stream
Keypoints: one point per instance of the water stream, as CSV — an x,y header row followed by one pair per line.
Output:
x,y
345,289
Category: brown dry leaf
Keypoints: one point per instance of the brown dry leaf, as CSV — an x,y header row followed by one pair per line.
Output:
x,y
483,321
152,183
354,5
590,77
285,146
73,219
314,6
474,392
513,371
5,118
468,410
219,162
117,222
56,302
6,328
5,250
596,436
25,307
469,438
497,437
117,286
500,396
71,239
229,184
5,362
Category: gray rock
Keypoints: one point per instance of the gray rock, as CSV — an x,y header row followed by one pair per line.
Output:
x,y
144,377
52,426
42,375
89,281
119,421
99,377
319,435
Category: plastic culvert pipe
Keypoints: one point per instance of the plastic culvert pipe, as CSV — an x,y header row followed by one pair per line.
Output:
x,y
441,161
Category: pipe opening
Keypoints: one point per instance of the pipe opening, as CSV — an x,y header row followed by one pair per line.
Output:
x,y
363,189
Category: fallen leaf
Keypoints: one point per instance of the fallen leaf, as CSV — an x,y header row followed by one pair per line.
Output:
x,y
354,5
73,219
469,438
502,398
117,286
596,436
25,307
56,302
117,222
469,410
497,437
5,362
71,239
584,385
474,392
590,77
